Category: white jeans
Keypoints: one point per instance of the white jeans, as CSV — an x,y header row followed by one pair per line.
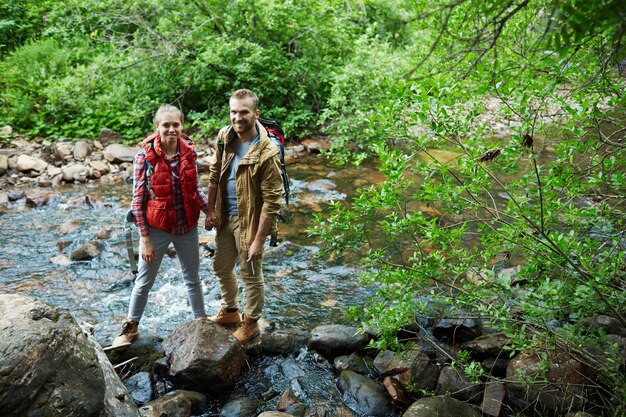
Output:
x,y
188,252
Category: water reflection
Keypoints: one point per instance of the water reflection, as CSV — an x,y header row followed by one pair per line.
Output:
x,y
301,290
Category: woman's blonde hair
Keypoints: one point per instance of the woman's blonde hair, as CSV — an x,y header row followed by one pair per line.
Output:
x,y
168,108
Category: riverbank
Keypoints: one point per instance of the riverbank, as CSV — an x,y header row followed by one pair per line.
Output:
x,y
441,337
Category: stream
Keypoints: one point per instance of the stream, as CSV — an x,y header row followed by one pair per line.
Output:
x,y
302,290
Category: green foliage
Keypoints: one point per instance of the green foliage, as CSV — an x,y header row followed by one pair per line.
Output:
x,y
21,21
505,184
137,55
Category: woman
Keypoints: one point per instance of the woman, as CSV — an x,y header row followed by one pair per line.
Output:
x,y
166,205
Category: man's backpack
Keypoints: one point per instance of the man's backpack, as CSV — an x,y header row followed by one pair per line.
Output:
x,y
276,134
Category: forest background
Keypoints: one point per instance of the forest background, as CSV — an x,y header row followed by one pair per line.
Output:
x,y
499,126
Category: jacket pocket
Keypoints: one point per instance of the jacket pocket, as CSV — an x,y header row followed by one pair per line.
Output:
x,y
158,213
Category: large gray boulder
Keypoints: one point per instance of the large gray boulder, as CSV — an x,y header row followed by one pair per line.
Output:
x,y
204,356
49,367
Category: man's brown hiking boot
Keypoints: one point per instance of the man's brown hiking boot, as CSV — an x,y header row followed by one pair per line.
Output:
x,y
247,330
226,318
130,331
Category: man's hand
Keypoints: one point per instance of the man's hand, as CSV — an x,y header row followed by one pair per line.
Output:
x,y
147,249
255,251
209,221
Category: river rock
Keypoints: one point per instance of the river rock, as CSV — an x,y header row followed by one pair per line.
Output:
x,y
140,387
564,389
363,395
69,226
283,341
454,383
490,345
336,339
178,403
4,199
36,199
86,252
290,403
4,164
101,167
48,365
117,153
493,398
27,163
353,362
74,172
204,356
611,325
15,195
316,146
457,330
414,369
396,390
240,407
104,233
107,136
64,151
6,130
81,150
274,414
441,406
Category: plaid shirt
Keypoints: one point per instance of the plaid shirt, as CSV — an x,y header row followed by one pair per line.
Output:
x,y
140,195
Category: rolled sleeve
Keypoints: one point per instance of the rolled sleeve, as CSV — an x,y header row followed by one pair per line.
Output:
x,y
271,187
140,193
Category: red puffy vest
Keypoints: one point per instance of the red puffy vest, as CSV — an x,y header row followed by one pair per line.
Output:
x,y
160,212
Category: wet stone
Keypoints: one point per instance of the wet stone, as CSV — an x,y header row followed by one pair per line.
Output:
x,y
363,395
15,195
335,340
140,387
86,252
441,406
36,199
354,363
454,383
283,341
492,399
457,330
178,403
240,407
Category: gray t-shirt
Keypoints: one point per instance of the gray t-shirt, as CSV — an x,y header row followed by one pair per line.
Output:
x,y
240,150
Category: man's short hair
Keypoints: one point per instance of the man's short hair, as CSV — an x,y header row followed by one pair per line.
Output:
x,y
245,93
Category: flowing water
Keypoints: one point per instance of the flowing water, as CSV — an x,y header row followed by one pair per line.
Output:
x,y
302,290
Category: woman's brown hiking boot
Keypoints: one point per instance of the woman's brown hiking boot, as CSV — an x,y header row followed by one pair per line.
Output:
x,y
130,331
247,330
226,318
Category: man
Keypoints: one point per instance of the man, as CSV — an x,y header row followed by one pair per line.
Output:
x,y
245,189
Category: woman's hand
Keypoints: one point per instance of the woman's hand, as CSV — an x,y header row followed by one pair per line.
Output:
x,y
209,221
146,248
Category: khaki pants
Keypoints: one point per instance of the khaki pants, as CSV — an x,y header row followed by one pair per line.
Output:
x,y
227,253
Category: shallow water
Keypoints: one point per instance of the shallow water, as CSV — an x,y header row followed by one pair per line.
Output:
x,y
302,290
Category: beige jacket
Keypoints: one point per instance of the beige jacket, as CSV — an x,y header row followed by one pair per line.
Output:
x,y
259,184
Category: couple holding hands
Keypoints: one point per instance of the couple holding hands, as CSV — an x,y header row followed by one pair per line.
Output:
x,y
242,202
